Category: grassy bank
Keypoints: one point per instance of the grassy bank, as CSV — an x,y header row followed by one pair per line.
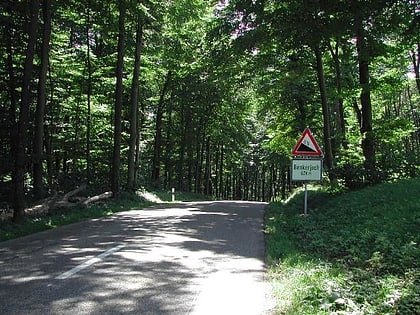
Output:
x,y
10,230
356,253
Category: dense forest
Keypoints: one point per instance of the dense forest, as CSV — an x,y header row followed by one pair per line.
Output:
x,y
204,96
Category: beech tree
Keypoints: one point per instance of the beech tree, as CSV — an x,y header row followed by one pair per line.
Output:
x,y
38,152
116,156
23,123
203,96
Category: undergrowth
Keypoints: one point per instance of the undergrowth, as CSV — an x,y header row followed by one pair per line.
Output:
x,y
355,253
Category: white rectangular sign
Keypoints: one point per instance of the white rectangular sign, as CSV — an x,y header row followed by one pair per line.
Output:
x,y
306,170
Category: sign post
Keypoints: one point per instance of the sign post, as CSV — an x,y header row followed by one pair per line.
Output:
x,y
307,164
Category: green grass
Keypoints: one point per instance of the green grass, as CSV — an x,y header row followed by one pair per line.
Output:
x,y
356,253
10,230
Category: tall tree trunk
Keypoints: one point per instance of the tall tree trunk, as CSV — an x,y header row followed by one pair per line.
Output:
x,y
134,108
140,123
185,145
190,158
12,84
221,167
368,144
168,172
325,112
23,123
207,176
157,150
199,163
89,97
341,123
415,59
38,151
116,157
48,132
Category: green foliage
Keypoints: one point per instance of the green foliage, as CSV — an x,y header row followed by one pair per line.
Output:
x,y
243,88
356,252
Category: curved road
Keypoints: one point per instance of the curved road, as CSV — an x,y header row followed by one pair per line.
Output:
x,y
186,258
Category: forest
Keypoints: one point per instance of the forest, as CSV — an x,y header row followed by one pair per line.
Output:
x,y
204,96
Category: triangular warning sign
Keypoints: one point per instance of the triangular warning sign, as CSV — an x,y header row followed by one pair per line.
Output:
x,y
307,145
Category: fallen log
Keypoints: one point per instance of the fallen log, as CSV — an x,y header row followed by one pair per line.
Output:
x,y
105,195
43,207
56,202
64,202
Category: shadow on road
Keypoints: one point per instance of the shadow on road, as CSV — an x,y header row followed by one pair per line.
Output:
x,y
166,253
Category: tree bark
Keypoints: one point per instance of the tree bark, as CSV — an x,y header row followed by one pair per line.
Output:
x,y
12,84
23,123
38,152
325,112
134,108
368,144
157,150
221,167
116,157
341,123
207,177
89,97
169,148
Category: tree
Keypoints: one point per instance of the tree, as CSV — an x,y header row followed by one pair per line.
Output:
x,y
23,122
284,21
157,148
38,151
116,156
89,96
134,107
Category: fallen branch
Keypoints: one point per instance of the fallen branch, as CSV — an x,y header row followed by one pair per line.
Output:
x,y
64,202
105,195
74,192
55,202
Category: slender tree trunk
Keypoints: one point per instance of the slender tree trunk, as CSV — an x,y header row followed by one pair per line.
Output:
x,y
21,141
48,136
116,158
168,171
368,144
284,182
199,164
140,123
89,97
134,108
190,159
207,177
12,84
38,151
221,167
325,113
216,166
341,122
157,150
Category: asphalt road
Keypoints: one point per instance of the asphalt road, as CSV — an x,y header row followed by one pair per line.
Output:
x,y
187,258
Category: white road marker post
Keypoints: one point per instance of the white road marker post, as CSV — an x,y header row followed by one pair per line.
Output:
x,y
173,194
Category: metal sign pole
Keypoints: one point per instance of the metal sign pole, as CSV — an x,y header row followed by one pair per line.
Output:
x,y
306,200
306,169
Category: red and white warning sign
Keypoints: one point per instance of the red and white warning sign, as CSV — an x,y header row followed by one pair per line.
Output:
x,y
307,145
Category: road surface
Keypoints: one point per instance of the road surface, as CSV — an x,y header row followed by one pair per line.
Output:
x,y
187,258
